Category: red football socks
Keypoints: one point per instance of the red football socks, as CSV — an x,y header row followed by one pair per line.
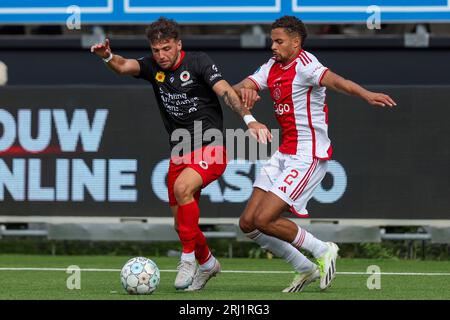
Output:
x,y
190,235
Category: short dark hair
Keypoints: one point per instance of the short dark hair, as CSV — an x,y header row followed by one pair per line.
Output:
x,y
163,29
292,25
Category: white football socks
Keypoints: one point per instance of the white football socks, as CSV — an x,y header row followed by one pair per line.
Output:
x,y
282,249
209,264
190,256
307,241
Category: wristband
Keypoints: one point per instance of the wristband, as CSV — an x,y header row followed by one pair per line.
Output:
x,y
108,59
248,118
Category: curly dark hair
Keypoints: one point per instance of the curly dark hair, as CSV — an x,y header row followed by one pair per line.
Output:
x,y
292,25
163,29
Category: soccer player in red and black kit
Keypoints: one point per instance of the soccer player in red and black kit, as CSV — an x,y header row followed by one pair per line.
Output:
x,y
187,86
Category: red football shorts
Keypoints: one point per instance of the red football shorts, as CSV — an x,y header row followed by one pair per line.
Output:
x,y
209,161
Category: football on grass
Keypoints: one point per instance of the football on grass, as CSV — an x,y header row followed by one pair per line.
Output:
x,y
140,276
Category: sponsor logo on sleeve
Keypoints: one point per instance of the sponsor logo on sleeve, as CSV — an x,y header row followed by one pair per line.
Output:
x,y
215,76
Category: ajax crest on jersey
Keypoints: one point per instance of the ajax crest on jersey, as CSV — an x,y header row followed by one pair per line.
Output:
x,y
140,276
276,94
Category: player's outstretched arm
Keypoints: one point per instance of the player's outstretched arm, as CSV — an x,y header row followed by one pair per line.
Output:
x,y
229,96
335,82
115,62
248,92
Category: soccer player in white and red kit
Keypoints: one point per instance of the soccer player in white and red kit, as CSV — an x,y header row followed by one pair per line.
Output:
x,y
297,82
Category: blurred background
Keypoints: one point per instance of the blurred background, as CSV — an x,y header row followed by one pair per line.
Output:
x,y
83,152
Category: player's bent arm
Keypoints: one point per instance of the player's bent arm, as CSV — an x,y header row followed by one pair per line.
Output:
x,y
335,82
230,97
248,92
245,84
123,66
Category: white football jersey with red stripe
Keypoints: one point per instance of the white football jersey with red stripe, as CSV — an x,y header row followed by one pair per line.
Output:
x,y
299,104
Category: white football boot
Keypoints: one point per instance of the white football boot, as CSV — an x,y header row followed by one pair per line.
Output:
x,y
327,265
185,276
202,277
302,279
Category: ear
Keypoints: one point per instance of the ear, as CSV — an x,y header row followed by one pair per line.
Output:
x,y
179,44
296,42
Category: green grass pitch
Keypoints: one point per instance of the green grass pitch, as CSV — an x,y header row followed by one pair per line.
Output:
x,y
400,279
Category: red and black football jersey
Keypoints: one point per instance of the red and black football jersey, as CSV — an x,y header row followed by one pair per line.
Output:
x,y
184,94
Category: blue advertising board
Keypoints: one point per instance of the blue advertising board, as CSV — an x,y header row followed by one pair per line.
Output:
x,y
221,11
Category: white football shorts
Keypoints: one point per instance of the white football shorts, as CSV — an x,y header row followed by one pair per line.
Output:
x,y
293,178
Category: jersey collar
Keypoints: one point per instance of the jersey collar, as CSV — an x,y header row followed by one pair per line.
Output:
x,y
179,62
287,65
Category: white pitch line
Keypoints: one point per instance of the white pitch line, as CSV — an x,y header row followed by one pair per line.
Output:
x,y
397,273
243,271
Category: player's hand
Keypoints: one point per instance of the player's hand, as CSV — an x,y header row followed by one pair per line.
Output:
x,y
249,97
260,132
380,99
101,49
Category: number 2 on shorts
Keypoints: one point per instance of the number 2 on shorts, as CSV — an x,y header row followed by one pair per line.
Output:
x,y
293,175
